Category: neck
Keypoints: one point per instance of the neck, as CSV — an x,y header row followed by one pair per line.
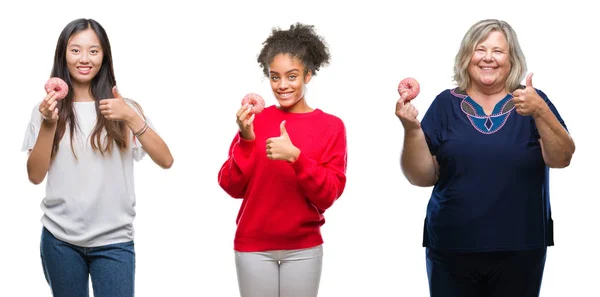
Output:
x,y
82,92
487,93
299,107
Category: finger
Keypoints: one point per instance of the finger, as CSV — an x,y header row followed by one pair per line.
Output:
x,y
251,120
409,109
103,106
43,105
400,104
241,110
517,92
52,99
528,80
244,114
282,129
49,95
53,106
115,92
44,102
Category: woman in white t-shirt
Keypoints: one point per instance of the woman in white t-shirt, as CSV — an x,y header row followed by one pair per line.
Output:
x,y
86,143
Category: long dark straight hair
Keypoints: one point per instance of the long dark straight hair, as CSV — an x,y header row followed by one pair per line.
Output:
x,y
100,88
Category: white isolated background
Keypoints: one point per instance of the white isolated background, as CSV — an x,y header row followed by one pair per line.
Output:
x,y
189,65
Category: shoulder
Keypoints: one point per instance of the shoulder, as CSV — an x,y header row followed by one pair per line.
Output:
x,y
333,123
329,117
446,98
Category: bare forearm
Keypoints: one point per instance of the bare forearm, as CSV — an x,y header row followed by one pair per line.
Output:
x,y
152,143
416,160
557,145
39,158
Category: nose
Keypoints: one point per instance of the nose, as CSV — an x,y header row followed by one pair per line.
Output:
x,y
283,84
84,58
488,56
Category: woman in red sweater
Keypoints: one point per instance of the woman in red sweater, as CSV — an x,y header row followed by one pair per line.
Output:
x,y
288,164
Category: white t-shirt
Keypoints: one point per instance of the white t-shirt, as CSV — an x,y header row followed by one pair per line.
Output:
x,y
90,199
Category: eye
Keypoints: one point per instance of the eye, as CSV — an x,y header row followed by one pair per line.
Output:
x,y
75,51
94,51
292,77
274,78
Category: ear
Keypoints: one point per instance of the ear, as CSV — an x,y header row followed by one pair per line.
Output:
x,y
307,76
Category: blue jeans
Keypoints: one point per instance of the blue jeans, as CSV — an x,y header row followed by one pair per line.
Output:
x,y
67,268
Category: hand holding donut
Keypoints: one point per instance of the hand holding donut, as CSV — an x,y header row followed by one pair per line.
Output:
x,y
407,113
282,148
48,107
527,101
116,109
56,89
408,89
244,121
252,104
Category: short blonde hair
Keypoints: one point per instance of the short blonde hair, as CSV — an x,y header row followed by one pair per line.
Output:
x,y
477,34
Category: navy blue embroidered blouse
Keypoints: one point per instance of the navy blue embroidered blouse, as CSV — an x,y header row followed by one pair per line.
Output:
x,y
492,193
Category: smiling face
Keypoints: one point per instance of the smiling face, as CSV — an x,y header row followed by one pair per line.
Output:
x,y
288,82
84,57
490,63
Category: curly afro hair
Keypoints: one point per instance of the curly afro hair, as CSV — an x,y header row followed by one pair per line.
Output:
x,y
301,42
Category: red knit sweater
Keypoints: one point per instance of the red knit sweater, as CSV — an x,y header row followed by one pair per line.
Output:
x,y
283,203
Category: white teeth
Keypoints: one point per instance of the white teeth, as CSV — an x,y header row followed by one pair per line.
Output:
x,y
285,95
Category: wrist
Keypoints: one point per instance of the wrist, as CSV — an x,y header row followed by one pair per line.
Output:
x,y
294,157
48,123
541,112
411,131
247,136
134,121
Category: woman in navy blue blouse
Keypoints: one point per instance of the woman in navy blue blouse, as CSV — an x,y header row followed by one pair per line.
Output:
x,y
485,147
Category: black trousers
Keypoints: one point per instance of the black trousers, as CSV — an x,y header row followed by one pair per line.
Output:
x,y
485,274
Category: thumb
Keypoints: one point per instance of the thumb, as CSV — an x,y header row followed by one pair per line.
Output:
x,y
115,92
282,128
400,103
528,82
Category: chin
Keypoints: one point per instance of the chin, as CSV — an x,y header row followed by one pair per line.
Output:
x,y
286,103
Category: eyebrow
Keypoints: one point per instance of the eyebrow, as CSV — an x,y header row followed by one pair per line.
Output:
x,y
273,72
77,45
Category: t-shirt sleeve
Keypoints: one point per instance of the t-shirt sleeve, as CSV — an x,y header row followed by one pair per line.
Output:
x,y
33,129
432,124
554,111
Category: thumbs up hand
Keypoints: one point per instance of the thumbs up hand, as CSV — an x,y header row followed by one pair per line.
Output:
x,y
281,147
527,101
116,109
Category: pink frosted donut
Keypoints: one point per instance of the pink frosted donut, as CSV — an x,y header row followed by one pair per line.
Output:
x,y
256,101
408,88
58,85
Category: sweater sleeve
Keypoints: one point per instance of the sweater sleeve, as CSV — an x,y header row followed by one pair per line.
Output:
x,y
235,172
323,182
